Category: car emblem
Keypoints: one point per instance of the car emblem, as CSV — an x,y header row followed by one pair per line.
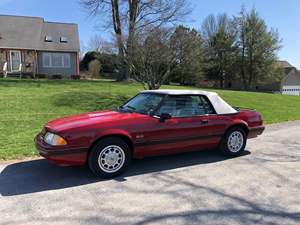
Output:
x,y
139,136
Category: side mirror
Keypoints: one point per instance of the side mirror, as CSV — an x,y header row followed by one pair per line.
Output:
x,y
163,117
151,112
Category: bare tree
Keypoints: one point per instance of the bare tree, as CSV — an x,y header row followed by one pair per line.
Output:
x,y
98,44
94,68
128,17
154,58
83,50
95,43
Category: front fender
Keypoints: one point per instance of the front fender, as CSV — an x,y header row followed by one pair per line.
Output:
x,y
111,132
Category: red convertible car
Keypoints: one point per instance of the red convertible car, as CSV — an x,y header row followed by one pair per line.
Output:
x,y
151,123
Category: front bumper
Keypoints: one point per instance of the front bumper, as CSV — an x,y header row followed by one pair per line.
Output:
x,y
61,155
255,131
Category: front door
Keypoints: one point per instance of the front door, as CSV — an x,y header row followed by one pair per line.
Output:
x,y
15,60
189,128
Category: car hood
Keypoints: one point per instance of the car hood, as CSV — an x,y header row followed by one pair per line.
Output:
x,y
88,119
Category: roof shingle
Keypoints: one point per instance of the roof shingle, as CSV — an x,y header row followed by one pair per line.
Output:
x,y
19,32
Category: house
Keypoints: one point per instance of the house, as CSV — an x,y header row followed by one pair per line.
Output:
x,y
31,45
290,84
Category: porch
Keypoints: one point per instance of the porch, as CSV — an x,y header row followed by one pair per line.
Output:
x,y
15,62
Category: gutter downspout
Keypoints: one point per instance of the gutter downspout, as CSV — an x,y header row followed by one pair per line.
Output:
x,y
78,61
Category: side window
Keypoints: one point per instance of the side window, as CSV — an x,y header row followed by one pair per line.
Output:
x,y
186,106
168,106
206,106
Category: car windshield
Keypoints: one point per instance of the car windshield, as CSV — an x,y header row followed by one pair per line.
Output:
x,y
143,103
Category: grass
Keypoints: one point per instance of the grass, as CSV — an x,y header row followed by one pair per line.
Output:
x,y
25,105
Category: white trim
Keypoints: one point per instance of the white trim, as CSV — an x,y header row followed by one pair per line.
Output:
x,y
10,58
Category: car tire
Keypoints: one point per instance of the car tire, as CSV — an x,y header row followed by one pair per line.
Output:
x,y
234,142
109,157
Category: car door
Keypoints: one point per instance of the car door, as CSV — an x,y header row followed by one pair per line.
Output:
x,y
189,128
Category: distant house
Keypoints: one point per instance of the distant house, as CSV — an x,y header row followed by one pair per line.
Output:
x,y
290,84
30,45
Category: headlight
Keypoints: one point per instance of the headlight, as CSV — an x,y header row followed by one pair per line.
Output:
x,y
54,139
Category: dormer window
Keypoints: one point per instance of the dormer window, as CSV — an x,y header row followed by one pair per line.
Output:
x,y
63,39
48,39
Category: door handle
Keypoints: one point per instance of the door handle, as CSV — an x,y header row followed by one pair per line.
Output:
x,y
204,121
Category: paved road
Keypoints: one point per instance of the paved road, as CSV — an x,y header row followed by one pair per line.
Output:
x,y
260,187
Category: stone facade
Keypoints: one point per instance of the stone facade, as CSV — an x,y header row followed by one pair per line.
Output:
x,y
2,59
28,61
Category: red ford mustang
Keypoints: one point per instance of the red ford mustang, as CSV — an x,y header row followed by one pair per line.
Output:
x,y
151,123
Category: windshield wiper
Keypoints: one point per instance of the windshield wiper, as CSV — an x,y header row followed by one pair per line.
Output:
x,y
127,109
131,107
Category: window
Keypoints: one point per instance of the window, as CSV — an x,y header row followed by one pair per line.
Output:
x,y
66,60
206,105
63,39
143,103
186,106
48,39
46,60
56,60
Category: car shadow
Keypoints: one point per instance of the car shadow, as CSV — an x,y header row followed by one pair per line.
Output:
x,y
40,175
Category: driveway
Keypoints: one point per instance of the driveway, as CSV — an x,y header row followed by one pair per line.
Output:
x,y
260,187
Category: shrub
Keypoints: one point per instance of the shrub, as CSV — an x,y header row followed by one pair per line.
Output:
x,y
75,77
56,77
94,69
41,76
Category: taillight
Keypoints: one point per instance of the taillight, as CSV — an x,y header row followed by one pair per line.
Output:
x,y
260,119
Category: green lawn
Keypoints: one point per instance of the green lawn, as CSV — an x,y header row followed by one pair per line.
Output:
x,y
25,105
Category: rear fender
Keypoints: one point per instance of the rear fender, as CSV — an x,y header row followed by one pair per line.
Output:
x,y
240,123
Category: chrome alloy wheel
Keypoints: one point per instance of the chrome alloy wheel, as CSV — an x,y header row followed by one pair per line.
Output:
x,y
235,141
111,159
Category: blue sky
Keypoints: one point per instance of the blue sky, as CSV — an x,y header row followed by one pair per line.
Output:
x,y
283,15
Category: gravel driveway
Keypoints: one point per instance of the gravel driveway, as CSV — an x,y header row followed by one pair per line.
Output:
x,y
260,187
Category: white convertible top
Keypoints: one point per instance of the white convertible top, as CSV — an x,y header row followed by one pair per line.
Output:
x,y
218,103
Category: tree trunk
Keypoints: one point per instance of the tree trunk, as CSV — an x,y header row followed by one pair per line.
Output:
x,y
243,74
133,6
251,63
221,70
118,32
221,80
